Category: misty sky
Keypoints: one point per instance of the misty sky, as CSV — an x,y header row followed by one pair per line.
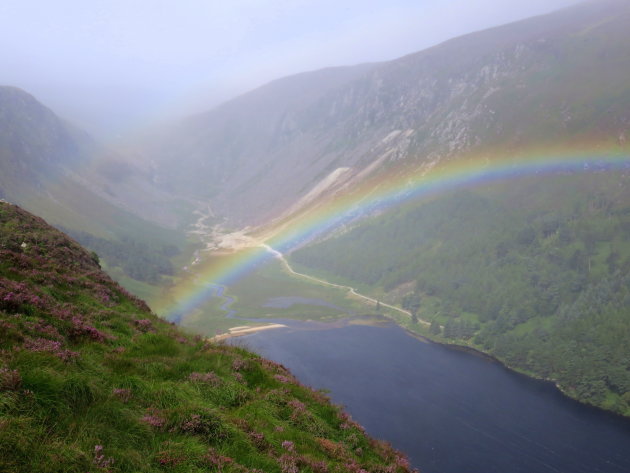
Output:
x,y
113,66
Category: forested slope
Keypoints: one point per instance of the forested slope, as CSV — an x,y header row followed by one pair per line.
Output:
x,y
535,272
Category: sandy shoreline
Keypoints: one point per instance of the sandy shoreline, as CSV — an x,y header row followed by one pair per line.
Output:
x,y
245,330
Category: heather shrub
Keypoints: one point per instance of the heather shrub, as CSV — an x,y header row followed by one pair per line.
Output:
x,y
92,381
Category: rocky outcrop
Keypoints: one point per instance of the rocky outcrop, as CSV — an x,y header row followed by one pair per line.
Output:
x,y
553,78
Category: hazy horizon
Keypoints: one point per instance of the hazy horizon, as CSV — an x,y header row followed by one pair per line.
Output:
x,y
114,67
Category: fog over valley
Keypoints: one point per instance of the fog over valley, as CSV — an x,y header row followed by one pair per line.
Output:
x,y
272,236
116,67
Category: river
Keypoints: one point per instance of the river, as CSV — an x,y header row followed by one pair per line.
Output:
x,y
450,411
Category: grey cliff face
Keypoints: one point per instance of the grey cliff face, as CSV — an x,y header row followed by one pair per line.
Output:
x,y
547,79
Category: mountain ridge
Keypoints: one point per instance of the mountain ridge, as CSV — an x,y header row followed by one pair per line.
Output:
x,y
54,169
478,93
53,144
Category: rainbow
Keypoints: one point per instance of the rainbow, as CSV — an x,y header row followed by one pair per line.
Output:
x,y
374,195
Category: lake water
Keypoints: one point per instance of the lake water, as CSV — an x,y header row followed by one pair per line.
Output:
x,y
450,411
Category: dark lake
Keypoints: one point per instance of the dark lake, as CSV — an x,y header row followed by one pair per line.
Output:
x,y
450,411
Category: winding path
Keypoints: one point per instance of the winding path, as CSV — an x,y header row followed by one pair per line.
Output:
x,y
351,290
201,229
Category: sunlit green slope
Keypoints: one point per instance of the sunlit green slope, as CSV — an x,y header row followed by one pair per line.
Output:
x,y
91,380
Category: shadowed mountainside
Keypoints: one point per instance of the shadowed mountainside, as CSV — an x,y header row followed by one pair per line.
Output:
x,y
55,170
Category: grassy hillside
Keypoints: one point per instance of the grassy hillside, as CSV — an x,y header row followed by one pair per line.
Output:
x,y
535,272
91,380
46,167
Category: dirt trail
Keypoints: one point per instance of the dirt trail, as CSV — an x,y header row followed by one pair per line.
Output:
x,y
235,241
351,290
245,330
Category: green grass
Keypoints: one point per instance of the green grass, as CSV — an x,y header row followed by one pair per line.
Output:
x,y
141,289
210,319
253,291
91,380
